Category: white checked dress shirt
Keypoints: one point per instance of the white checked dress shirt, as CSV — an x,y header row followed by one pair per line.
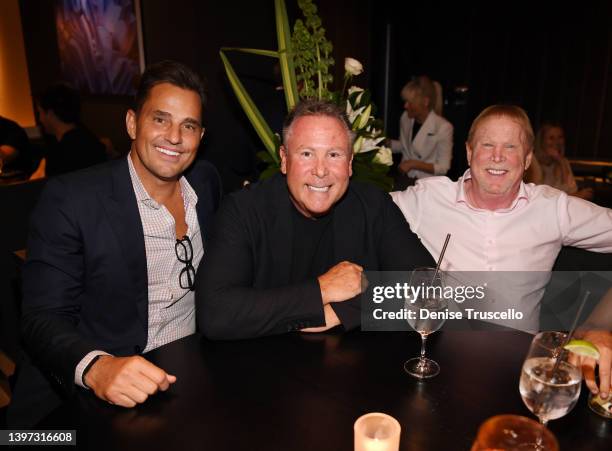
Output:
x,y
171,308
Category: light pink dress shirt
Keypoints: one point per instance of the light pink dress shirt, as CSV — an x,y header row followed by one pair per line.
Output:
x,y
525,237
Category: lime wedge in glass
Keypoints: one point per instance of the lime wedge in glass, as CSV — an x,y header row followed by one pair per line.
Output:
x,y
583,348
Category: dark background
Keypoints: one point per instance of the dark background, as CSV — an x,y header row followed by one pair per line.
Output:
x,y
553,59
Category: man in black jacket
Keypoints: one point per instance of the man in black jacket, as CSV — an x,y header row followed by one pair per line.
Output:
x,y
288,254
112,255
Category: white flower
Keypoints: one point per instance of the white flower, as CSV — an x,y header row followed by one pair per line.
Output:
x,y
383,156
367,144
352,66
353,89
351,113
363,119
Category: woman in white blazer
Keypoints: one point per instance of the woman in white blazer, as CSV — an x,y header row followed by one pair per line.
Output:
x,y
426,139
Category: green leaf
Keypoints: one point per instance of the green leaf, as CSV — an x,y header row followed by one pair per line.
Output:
x,y
269,172
265,157
270,53
259,123
285,56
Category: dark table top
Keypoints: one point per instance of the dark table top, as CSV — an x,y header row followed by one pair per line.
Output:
x,y
304,392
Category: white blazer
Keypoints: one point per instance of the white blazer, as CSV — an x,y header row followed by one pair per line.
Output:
x,y
432,144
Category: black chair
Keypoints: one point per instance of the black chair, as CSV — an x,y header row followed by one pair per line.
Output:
x,y
17,202
575,272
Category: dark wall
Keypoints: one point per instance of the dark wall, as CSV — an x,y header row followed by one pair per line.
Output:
x,y
555,62
552,59
104,115
229,142
192,32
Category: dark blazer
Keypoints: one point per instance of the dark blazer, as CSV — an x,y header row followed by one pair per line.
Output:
x,y
243,286
85,277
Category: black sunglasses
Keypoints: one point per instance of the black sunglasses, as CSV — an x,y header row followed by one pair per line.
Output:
x,y
184,253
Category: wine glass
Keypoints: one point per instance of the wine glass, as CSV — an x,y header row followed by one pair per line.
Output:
x,y
550,384
513,433
427,312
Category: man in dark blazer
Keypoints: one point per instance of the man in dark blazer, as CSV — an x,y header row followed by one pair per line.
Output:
x,y
112,255
288,254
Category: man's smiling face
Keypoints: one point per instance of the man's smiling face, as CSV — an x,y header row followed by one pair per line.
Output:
x,y
317,162
498,158
166,132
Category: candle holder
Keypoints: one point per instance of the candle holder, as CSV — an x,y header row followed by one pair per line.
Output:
x,y
377,432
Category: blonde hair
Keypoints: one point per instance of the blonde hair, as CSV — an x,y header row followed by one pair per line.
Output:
x,y
561,171
512,112
424,87
539,139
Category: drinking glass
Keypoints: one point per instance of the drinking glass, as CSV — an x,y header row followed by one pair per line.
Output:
x,y
550,384
428,308
514,433
602,407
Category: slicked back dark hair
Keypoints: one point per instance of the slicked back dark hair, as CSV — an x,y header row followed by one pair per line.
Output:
x,y
63,100
168,71
317,108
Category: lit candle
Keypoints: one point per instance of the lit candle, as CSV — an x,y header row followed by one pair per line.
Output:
x,y
377,432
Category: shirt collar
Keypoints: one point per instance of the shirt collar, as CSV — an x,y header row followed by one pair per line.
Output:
x,y
521,198
189,195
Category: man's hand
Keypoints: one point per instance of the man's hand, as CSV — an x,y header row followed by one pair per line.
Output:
x,y
126,381
341,282
603,341
331,320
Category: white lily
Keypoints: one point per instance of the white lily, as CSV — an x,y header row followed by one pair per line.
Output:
x,y
363,118
351,113
353,89
368,144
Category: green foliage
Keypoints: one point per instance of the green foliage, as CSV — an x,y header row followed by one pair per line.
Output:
x,y
285,54
311,54
268,138
305,60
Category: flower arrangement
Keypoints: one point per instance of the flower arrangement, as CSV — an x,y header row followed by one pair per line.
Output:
x,y
305,59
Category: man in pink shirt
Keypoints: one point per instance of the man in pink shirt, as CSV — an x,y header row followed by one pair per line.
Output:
x,y
498,223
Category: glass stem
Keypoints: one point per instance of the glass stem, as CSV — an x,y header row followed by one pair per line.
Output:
x,y
423,341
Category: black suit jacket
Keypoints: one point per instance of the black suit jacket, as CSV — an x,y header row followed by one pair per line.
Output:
x,y
243,286
85,277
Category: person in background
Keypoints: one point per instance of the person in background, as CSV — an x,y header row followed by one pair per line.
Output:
x,y
426,138
14,147
550,166
74,147
112,255
501,225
